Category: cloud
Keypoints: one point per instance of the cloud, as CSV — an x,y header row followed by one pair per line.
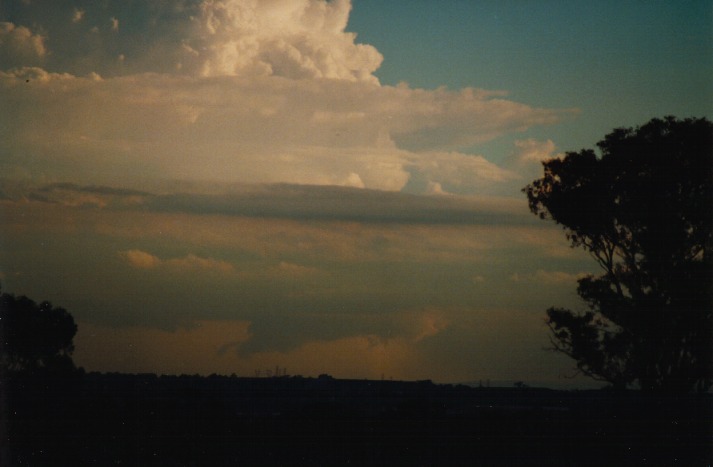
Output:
x,y
337,204
425,324
445,119
238,91
300,282
284,223
285,201
293,330
191,350
190,263
331,203
19,46
196,263
208,347
78,15
233,129
548,277
293,39
140,259
444,172
288,269
321,216
70,194
532,150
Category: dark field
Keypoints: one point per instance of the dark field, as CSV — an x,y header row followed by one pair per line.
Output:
x,y
114,419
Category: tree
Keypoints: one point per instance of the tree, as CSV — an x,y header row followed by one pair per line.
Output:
x,y
35,336
643,209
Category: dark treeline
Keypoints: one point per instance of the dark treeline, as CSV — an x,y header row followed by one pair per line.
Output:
x,y
120,419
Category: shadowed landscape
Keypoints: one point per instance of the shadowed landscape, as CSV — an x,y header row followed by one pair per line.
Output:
x,y
122,419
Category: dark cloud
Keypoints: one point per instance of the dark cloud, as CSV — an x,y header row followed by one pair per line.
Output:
x,y
332,203
91,189
71,194
300,202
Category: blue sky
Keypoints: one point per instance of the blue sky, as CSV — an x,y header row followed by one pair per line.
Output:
x,y
222,186
619,63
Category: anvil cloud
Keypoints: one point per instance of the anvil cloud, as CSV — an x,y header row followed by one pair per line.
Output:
x,y
243,91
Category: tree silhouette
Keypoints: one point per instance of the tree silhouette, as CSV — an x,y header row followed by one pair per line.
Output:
x,y
643,209
35,336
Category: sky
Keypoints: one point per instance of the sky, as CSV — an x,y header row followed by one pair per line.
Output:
x,y
227,186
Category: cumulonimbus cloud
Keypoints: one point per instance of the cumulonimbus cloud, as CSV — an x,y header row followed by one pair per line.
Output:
x,y
237,91
289,38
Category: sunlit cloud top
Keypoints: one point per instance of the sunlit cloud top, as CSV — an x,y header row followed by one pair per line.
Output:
x,y
234,91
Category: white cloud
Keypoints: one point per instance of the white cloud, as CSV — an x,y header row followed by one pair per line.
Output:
x,y
288,38
246,91
446,119
532,150
233,129
454,170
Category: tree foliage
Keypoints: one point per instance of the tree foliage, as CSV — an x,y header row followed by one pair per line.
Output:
x,y
35,336
643,209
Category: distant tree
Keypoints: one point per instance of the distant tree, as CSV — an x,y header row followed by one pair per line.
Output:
x,y
35,336
643,209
